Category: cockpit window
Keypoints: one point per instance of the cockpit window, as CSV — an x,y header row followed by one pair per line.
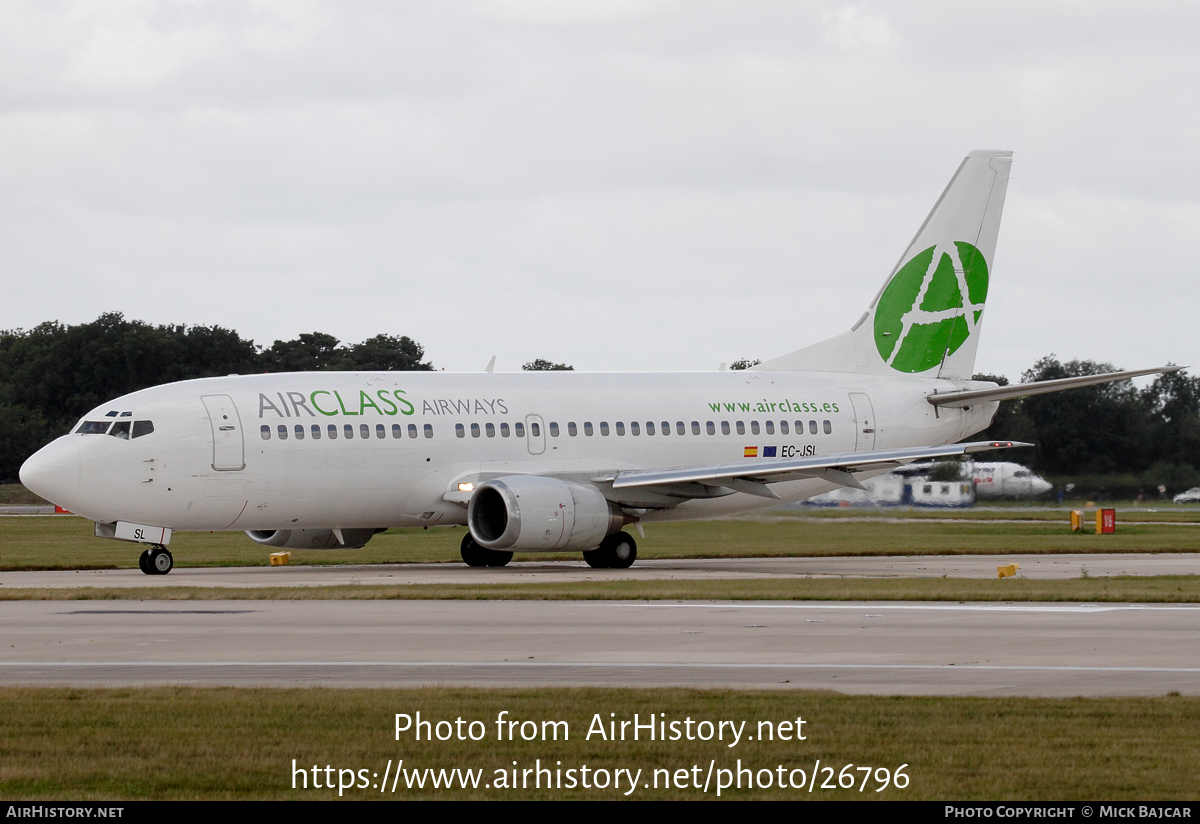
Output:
x,y
141,428
93,428
120,430
126,414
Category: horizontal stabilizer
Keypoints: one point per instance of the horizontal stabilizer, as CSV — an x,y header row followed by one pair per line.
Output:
x,y
837,469
970,397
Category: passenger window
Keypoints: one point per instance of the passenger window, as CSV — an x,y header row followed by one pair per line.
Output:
x,y
724,427
332,431
812,427
428,430
770,427
397,431
364,431
380,432
828,427
299,431
587,428
459,431
620,427
92,428
412,430
141,428
490,429
604,428
283,431
535,431
348,431
572,429
553,429
783,427
741,428
680,429
265,431
474,430
712,429
695,427
120,430
315,430
649,427
504,432
753,427
634,428
519,429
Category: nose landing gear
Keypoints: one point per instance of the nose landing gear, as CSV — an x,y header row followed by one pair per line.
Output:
x,y
156,560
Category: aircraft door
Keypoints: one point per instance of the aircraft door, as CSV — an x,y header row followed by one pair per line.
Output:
x,y
535,434
864,422
228,446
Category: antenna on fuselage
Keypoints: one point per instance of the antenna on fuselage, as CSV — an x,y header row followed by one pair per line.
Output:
x,y
491,365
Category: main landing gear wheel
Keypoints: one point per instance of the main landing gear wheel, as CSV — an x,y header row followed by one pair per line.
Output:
x,y
475,555
156,561
617,551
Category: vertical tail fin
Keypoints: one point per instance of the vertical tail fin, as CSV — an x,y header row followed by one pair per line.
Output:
x,y
927,317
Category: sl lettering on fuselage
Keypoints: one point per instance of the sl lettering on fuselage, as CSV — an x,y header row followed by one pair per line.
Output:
x,y
551,461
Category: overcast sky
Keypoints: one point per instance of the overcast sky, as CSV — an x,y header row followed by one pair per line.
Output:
x,y
617,184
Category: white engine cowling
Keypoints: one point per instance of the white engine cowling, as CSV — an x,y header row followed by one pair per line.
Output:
x,y
530,512
311,538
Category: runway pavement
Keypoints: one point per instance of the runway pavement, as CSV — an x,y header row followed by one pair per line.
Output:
x,y
921,566
889,648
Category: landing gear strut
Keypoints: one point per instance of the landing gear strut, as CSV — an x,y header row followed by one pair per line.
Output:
x,y
156,560
617,551
475,555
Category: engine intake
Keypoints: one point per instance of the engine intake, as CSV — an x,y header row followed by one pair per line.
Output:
x,y
531,512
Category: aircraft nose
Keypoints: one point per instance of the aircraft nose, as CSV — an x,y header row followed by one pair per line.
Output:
x,y
1040,486
53,472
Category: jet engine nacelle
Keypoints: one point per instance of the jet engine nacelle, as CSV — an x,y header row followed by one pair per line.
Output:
x,y
531,512
311,538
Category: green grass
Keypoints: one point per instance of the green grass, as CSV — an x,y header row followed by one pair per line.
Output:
x,y
64,542
1160,589
11,494
184,743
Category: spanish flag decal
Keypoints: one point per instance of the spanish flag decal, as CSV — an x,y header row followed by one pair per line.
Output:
x,y
751,452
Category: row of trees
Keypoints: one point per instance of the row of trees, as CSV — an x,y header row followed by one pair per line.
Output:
x,y
1110,438
53,374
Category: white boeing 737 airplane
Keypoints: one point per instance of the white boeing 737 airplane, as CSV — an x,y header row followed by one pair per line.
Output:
x,y
545,461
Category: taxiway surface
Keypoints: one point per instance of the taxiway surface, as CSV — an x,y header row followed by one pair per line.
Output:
x,y
877,648
1049,566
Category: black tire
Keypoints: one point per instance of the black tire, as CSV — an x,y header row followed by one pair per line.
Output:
x,y
623,552
596,558
144,562
496,558
160,561
617,551
473,554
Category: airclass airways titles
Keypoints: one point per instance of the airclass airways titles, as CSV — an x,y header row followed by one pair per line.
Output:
x,y
325,402
388,402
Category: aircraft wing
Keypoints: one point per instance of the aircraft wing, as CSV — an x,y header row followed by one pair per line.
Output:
x,y
755,475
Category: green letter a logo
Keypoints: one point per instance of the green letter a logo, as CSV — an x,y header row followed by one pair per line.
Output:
x,y
927,312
